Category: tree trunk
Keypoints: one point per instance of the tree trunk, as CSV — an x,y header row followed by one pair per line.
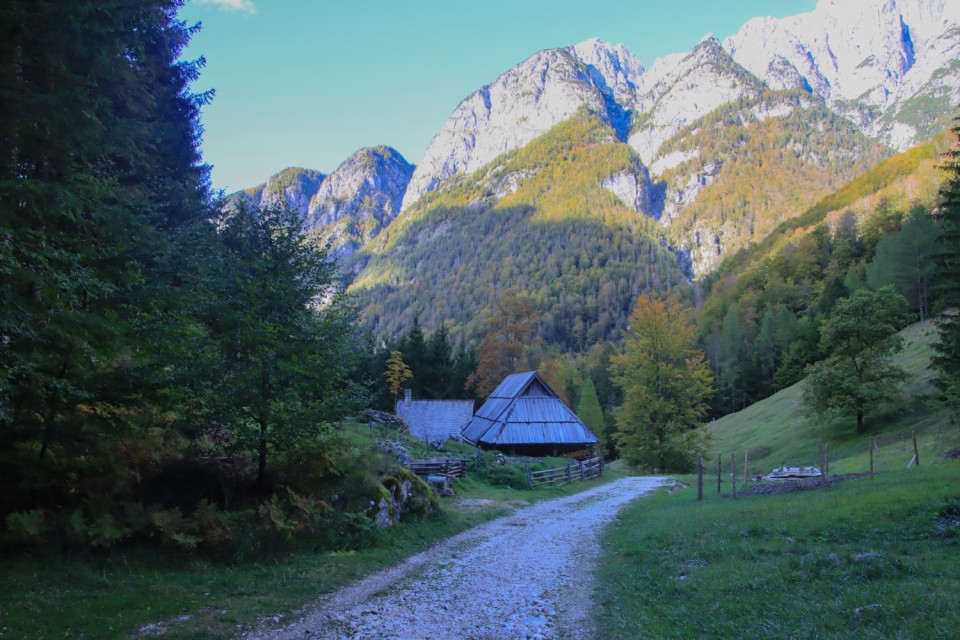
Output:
x,y
262,459
860,428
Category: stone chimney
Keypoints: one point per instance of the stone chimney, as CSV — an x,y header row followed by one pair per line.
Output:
x,y
407,397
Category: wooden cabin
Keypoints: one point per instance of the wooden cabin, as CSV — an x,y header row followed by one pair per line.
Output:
x,y
525,416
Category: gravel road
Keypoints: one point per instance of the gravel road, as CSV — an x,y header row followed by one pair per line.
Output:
x,y
526,575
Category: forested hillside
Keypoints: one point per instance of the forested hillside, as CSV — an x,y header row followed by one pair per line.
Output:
x,y
759,313
756,163
538,220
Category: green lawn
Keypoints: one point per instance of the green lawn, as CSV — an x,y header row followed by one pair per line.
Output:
x,y
780,431
867,559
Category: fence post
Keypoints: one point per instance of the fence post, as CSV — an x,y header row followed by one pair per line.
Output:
x,y
699,477
916,454
746,467
823,467
826,459
529,478
871,458
733,471
719,464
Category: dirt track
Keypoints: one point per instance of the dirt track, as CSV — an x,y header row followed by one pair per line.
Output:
x,y
527,575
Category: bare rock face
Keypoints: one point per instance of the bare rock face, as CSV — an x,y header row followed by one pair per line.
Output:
x,y
526,102
360,198
680,89
879,63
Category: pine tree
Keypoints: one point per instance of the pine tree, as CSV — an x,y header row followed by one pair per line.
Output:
x,y
588,409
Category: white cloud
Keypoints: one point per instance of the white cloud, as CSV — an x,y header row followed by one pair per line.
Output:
x,y
245,6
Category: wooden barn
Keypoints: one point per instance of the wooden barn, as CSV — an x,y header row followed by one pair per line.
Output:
x,y
525,416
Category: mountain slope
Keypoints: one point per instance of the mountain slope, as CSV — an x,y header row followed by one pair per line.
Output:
x,y
751,164
538,220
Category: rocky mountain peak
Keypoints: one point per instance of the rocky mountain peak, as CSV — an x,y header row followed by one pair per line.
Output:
x,y
355,202
526,102
293,187
867,59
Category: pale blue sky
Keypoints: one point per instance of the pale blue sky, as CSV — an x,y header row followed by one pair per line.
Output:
x,y
308,82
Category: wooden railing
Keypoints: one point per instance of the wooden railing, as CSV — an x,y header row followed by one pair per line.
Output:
x,y
440,467
589,468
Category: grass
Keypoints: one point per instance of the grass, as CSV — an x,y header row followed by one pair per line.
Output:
x,y
868,559
116,594
780,431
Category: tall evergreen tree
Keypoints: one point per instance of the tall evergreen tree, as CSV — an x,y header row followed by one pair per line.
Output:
x,y
99,178
946,275
286,342
905,259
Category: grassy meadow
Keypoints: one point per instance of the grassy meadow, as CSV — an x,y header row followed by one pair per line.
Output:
x,y
869,558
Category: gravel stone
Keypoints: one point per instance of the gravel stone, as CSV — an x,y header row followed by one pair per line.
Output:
x,y
496,581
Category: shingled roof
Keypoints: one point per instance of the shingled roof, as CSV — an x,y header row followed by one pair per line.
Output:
x,y
433,420
524,410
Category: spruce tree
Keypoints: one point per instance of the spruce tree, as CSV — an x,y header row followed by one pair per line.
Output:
x,y
99,179
946,277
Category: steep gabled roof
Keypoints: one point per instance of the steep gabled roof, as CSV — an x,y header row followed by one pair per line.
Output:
x,y
524,410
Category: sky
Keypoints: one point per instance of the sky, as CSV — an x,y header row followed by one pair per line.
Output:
x,y
307,83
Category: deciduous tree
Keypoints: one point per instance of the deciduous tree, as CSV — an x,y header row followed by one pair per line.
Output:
x,y
286,340
665,384
510,333
397,373
860,338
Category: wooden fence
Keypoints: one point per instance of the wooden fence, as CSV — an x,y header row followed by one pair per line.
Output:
x,y
455,467
590,468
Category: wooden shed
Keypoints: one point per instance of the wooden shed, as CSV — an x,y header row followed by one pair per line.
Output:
x,y
524,415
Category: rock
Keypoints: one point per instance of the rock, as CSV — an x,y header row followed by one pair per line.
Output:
x,y
526,102
360,198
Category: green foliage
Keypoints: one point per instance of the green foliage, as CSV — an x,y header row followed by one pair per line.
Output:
x,y
804,267
860,339
759,566
576,251
287,352
946,273
769,169
100,191
905,261
588,408
665,385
